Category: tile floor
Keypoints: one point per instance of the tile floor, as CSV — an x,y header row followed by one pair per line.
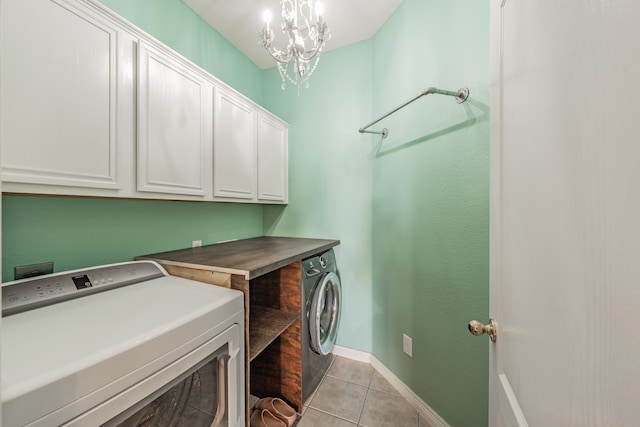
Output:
x,y
354,394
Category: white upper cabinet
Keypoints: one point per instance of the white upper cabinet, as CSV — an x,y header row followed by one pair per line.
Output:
x,y
93,106
234,147
60,88
174,125
272,159
250,151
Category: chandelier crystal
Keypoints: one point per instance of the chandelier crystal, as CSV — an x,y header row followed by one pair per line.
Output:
x,y
307,33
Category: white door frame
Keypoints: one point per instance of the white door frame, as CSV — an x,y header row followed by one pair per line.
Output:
x,y
503,405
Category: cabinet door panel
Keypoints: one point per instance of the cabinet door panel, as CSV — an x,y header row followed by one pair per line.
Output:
x,y
59,95
234,147
174,125
272,159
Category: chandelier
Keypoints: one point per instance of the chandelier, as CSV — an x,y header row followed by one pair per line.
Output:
x,y
307,33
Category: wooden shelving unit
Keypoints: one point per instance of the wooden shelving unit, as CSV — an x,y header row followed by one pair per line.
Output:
x,y
274,356
268,271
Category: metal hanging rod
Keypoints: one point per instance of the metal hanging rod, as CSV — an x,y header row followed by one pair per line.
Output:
x,y
461,95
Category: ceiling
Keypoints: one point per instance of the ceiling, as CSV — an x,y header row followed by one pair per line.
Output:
x,y
239,21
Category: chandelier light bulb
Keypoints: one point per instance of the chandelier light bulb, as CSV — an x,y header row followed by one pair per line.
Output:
x,y
299,43
319,10
267,18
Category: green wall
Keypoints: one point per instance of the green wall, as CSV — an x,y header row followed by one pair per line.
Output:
x,y
75,233
431,204
330,174
411,210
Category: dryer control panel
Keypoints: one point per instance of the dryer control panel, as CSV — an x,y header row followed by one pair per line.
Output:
x,y
40,291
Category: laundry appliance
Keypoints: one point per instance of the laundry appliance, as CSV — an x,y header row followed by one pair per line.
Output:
x,y
121,345
321,305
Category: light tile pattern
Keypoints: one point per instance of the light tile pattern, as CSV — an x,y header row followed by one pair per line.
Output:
x,y
353,394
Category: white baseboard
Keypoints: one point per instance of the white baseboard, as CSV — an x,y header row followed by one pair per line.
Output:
x,y
414,400
352,354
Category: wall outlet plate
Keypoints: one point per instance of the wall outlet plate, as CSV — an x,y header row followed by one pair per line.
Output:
x,y
32,270
407,345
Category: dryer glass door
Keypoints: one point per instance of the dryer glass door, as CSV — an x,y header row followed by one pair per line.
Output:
x,y
324,315
196,399
202,388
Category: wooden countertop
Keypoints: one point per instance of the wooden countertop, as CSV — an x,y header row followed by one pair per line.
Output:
x,y
248,257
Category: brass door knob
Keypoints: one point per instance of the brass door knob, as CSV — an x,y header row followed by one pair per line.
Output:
x,y
477,329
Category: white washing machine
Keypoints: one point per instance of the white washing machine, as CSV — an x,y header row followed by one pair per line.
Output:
x,y
322,293
123,345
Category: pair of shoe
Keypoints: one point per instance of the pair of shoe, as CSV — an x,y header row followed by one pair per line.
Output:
x,y
272,412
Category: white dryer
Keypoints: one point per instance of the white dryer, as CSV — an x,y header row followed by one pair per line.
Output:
x,y
123,344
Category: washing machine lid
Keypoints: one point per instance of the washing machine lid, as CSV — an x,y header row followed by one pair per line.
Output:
x,y
79,352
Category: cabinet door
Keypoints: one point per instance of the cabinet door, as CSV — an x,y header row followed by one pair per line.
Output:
x,y
234,147
272,159
59,99
174,125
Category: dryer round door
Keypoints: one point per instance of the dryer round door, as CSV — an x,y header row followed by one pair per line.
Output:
x,y
324,313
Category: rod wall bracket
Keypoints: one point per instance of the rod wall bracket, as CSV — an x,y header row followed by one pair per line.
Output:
x,y
463,94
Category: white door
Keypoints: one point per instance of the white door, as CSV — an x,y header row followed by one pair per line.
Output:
x,y
565,219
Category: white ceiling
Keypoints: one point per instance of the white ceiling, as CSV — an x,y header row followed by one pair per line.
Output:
x,y
239,21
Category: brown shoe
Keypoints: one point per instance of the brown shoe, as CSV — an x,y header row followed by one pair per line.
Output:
x,y
279,408
264,418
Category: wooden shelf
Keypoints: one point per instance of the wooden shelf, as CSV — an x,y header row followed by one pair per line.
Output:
x,y
266,324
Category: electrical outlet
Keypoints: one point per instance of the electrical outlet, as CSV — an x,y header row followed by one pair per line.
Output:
x,y
407,345
32,270
196,243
